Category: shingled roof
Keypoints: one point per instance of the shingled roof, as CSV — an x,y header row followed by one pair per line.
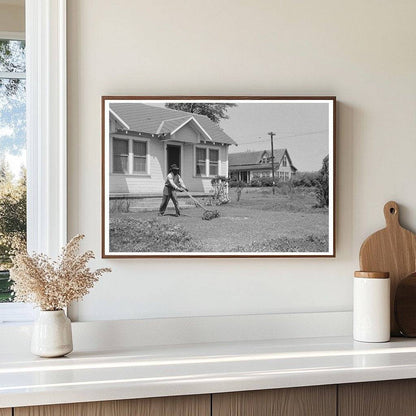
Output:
x,y
156,120
253,158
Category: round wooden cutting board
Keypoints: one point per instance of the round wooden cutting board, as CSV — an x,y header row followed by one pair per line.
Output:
x,y
393,250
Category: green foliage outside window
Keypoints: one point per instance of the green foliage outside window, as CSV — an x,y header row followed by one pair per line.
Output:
x,y
12,223
12,145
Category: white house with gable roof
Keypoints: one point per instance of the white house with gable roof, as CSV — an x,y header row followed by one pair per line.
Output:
x,y
145,140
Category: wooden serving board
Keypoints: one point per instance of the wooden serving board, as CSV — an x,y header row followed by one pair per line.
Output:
x,y
393,250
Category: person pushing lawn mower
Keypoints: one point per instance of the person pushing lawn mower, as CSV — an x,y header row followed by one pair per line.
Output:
x,y
173,184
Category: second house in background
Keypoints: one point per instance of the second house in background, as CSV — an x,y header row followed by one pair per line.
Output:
x,y
246,166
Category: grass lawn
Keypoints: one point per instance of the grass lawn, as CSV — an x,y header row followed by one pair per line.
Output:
x,y
260,221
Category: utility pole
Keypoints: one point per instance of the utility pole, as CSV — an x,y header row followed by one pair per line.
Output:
x,y
271,134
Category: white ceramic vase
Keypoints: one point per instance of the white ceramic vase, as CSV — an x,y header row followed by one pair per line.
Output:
x,y
52,334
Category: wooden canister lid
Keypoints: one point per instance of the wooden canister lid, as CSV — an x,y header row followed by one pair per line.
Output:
x,y
372,275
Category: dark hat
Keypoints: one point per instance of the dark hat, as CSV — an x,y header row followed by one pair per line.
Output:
x,y
174,167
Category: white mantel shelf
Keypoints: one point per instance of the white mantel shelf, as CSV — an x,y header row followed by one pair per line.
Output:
x,y
152,371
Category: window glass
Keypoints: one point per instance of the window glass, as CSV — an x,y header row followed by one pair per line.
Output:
x,y
139,165
213,162
12,56
139,148
139,152
201,155
12,156
120,156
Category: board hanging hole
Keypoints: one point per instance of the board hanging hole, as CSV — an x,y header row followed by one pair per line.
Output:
x,y
392,211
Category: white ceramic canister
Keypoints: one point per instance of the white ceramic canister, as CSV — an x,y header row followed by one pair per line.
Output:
x,y
371,313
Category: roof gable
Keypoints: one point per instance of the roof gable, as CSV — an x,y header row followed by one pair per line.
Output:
x,y
278,155
167,126
157,120
191,120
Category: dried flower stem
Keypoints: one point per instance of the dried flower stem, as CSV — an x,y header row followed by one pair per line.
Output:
x,y
53,285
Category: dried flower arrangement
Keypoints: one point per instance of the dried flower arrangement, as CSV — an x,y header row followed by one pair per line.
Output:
x,y
53,285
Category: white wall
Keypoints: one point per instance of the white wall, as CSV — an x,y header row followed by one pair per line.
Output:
x,y
361,51
12,18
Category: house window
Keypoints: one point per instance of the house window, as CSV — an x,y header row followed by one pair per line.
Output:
x,y
129,156
201,158
213,162
139,156
284,161
120,156
207,161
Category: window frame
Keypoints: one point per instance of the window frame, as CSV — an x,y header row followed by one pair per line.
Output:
x,y
46,125
207,148
46,137
130,159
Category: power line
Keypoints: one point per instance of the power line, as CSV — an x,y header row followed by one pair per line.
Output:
x,y
287,137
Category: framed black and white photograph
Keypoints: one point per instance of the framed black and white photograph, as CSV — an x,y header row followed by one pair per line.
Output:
x,y
218,176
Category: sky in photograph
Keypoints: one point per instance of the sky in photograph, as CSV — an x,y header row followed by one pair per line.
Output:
x,y
301,128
